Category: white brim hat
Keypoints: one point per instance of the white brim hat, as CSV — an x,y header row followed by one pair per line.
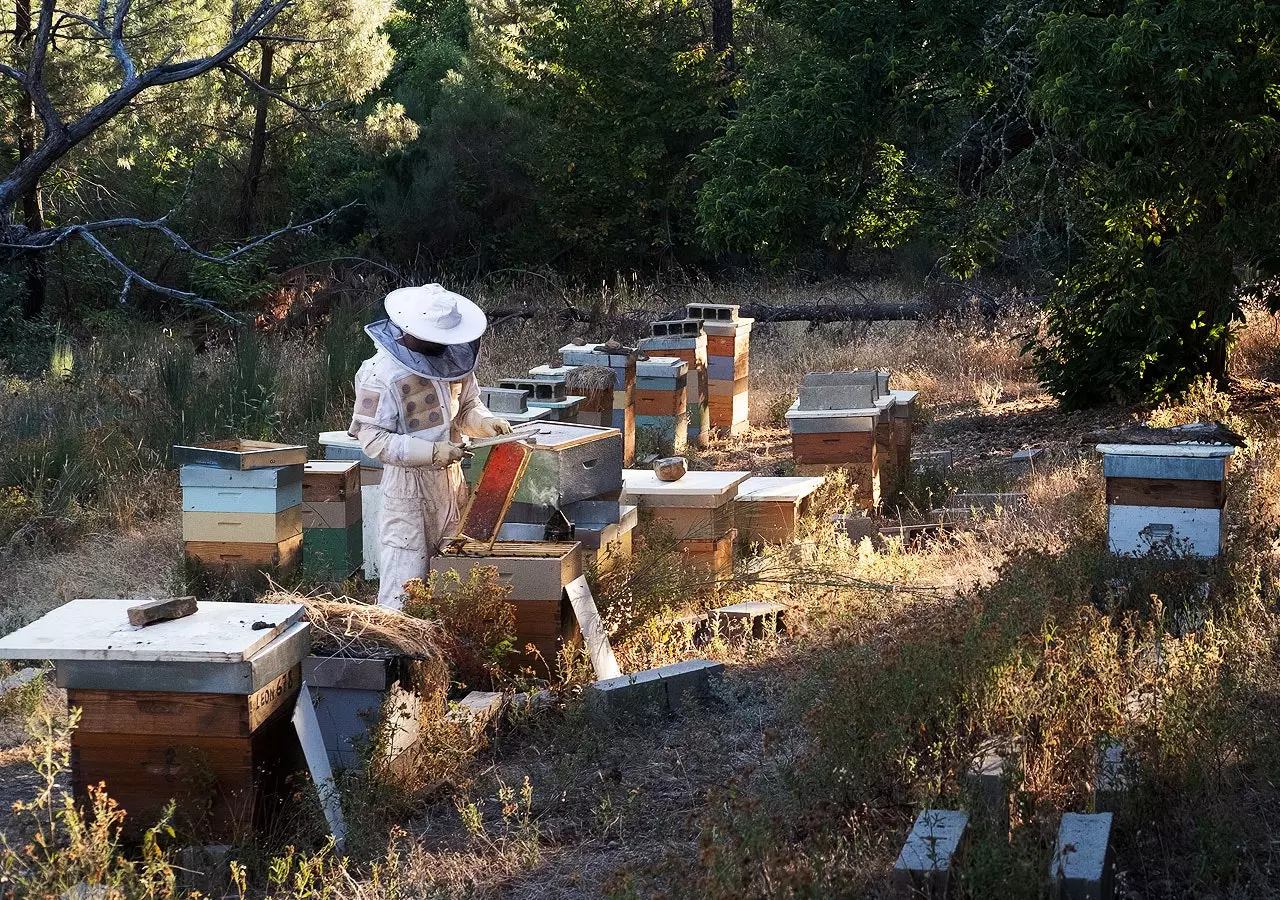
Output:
x,y
431,313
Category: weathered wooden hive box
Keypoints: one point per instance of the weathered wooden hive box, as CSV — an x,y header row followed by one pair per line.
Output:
x,y
196,709
842,420
768,509
686,339
698,509
538,573
728,363
332,518
242,507
1169,497
905,404
661,401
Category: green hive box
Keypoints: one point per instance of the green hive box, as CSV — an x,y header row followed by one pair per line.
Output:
x,y
333,551
569,463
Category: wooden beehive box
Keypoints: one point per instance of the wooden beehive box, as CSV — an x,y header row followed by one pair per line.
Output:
x,y
196,709
1170,496
700,504
538,572
769,509
332,518
569,463
240,455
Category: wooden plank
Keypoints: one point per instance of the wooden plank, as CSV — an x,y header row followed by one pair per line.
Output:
x,y
597,639
100,629
1158,492
330,480
247,554
161,610
242,527
309,735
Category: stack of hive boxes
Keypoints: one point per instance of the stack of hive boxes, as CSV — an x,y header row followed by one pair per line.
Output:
x,y
888,459
661,401
574,471
838,423
332,535
698,509
686,339
1169,498
242,507
622,360
728,363
546,391
339,445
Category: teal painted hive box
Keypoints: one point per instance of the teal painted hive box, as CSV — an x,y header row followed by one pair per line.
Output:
x,y
333,551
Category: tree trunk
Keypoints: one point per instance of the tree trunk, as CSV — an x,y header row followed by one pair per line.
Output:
x,y
258,145
32,198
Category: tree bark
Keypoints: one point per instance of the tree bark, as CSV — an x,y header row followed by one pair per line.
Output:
x,y
258,144
32,198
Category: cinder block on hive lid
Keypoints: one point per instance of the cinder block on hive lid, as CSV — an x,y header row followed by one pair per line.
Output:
x,y
1082,867
504,400
713,312
836,396
932,850
675,328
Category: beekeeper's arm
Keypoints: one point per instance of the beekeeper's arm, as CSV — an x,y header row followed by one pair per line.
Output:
x,y
474,417
376,425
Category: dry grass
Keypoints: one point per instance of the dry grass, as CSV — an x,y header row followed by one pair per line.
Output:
x,y
804,772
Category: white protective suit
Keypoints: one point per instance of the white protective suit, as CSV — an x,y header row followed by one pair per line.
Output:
x,y
404,419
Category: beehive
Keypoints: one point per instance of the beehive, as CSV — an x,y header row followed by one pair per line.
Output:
x,y
769,509
240,519
843,420
661,402
339,445
569,463
1166,498
686,339
196,710
697,509
728,364
538,573
332,521
622,360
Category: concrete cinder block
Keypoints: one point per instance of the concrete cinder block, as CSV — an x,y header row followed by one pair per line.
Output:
x,y
837,396
939,461
988,778
1082,867
713,312
1024,462
1112,776
933,848
652,692
676,328
752,618
504,400
477,709
19,679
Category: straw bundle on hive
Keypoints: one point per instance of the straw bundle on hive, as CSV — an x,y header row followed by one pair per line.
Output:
x,y
360,630
588,379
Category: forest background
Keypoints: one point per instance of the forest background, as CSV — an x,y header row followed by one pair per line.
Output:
x,y
1115,161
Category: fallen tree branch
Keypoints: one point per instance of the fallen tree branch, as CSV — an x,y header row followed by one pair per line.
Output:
x,y
813,312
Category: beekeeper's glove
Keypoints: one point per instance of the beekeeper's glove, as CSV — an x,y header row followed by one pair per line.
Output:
x,y
493,426
440,454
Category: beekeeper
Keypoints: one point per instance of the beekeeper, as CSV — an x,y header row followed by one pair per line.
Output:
x,y
415,401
